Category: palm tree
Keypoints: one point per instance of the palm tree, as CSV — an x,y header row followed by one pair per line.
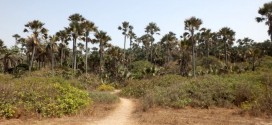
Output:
x,y
64,38
227,36
152,29
52,46
76,30
145,40
126,28
37,29
266,15
184,54
192,24
87,28
207,38
168,41
132,36
2,47
17,40
102,39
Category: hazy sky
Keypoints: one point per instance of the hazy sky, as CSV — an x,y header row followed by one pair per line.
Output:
x,y
109,14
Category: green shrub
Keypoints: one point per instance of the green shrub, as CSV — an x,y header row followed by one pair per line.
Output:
x,y
138,68
7,110
136,88
251,91
210,62
48,97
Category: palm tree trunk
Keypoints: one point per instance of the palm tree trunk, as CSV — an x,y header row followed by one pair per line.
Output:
x,y
225,52
52,60
125,39
168,54
131,52
61,55
193,54
253,63
147,53
74,55
208,49
86,57
101,59
151,51
32,58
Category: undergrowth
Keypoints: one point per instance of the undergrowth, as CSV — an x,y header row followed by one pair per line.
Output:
x,y
250,91
46,97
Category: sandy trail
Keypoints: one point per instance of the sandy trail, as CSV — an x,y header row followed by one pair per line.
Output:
x,y
120,116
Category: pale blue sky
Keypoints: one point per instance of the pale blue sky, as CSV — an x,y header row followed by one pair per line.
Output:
x,y
109,14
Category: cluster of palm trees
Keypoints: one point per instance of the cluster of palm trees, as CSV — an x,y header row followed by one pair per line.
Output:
x,y
42,49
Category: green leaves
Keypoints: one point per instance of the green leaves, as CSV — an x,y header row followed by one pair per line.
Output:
x,y
51,97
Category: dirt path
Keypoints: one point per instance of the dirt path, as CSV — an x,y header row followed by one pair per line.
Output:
x,y
120,116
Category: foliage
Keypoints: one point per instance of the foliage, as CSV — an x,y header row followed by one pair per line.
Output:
x,y
47,97
138,68
250,91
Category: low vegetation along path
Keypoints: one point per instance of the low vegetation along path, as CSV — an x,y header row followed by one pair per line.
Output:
x,y
120,116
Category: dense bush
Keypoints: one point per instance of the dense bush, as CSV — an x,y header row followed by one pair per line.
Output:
x,y
250,91
138,68
47,97
210,62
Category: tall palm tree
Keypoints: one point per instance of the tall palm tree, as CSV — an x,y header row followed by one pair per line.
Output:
x,y
125,28
145,40
38,30
64,38
206,39
227,36
132,36
168,40
88,27
102,39
2,47
193,24
266,15
17,41
152,29
76,31
184,54
52,46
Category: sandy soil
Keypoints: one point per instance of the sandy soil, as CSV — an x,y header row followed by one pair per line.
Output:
x,y
120,116
190,116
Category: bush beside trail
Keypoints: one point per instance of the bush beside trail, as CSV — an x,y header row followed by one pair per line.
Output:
x,y
250,91
40,96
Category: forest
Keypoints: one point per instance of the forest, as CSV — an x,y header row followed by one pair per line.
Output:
x,y
55,75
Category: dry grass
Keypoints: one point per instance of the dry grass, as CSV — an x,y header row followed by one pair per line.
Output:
x,y
193,116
